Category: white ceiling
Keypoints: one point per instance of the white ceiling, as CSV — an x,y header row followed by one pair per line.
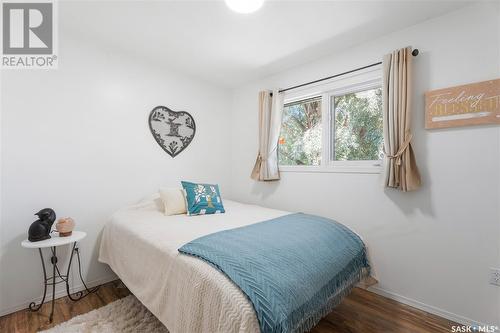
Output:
x,y
207,40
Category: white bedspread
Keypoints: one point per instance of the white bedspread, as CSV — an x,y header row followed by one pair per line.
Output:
x,y
188,295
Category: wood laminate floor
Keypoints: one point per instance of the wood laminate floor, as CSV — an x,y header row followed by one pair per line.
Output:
x,y
362,311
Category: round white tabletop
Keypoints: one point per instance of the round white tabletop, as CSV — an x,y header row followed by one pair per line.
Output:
x,y
55,240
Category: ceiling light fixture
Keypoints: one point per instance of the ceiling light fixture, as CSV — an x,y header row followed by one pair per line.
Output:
x,y
244,6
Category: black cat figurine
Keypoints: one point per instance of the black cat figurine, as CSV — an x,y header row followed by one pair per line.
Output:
x,y
40,229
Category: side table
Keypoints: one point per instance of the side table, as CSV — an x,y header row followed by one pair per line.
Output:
x,y
57,277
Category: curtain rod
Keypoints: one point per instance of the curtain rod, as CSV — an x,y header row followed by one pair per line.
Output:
x,y
414,53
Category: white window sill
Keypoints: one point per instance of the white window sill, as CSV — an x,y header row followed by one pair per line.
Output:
x,y
366,169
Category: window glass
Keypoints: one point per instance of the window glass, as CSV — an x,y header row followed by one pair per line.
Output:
x,y
300,137
357,130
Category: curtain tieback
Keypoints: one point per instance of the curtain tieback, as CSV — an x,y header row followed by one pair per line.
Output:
x,y
401,150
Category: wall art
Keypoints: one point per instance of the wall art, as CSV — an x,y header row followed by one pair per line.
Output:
x,y
173,130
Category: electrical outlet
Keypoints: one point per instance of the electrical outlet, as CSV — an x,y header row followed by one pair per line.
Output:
x,y
495,276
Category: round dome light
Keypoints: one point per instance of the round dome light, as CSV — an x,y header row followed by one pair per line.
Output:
x,y
244,6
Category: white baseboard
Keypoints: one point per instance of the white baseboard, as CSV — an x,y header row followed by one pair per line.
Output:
x,y
427,308
59,293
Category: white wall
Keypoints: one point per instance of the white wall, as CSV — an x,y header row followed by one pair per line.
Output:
x,y
77,139
431,248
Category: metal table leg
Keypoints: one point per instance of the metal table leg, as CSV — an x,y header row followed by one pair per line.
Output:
x,y
80,294
53,260
33,306
63,278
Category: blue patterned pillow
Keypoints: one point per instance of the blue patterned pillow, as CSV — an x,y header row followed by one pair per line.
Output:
x,y
202,199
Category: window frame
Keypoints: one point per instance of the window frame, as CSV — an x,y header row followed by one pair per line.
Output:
x,y
368,79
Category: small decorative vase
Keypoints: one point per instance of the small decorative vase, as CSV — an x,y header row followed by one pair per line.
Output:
x,y
65,226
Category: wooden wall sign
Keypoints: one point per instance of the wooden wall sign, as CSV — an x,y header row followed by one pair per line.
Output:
x,y
470,104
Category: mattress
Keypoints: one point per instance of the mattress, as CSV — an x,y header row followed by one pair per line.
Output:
x,y
186,294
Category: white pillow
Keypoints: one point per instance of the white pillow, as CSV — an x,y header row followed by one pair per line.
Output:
x,y
173,200
150,201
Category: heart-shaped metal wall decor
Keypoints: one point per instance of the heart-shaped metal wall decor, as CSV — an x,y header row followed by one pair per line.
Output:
x,y
173,130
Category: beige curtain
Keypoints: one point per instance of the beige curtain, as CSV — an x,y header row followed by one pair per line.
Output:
x,y
270,111
401,169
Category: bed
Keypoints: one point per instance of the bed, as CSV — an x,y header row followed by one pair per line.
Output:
x,y
186,294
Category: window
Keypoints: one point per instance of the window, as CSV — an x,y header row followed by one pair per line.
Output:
x,y
357,126
300,137
335,127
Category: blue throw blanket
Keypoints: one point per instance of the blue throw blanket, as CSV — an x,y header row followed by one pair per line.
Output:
x,y
294,269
